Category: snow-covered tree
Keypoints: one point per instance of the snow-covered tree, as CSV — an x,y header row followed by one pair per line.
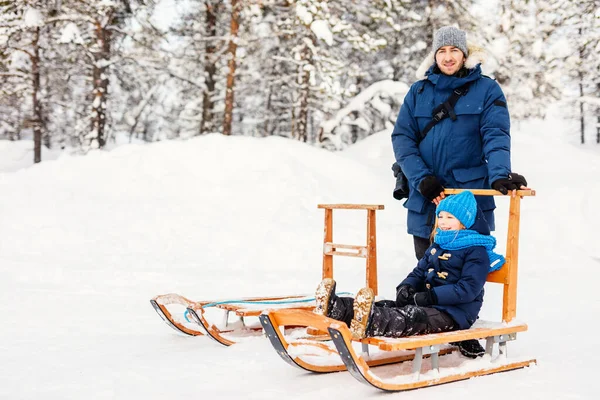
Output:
x,y
519,61
24,36
574,30
402,32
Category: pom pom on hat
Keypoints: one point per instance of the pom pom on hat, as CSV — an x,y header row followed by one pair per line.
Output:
x,y
463,206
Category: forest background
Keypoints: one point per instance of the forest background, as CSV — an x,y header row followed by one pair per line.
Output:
x,y
77,75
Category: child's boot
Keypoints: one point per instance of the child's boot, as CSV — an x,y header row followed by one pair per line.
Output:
x,y
470,348
323,296
363,305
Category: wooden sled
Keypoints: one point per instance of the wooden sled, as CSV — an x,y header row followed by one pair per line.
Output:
x,y
191,317
399,378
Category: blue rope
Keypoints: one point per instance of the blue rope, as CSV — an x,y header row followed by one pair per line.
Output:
x,y
288,301
185,315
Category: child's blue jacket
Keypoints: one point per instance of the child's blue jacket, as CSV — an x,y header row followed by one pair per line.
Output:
x,y
455,277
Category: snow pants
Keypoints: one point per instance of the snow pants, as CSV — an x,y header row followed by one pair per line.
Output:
x,y
388,320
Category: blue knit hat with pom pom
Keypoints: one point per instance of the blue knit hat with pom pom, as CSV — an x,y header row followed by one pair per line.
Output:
x,y
463,206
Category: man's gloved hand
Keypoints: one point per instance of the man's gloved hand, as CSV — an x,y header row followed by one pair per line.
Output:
x,y
404,295
424,299
505,185
430,187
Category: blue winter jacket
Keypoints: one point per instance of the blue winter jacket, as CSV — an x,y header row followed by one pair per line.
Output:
x,y
471,152
455,277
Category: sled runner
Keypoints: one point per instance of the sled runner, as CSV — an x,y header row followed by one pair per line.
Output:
x,y
401,377
196,318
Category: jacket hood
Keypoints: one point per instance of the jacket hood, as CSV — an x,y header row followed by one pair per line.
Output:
x,y
476,57
480,225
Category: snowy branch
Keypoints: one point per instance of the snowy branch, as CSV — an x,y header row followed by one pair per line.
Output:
x,y
13,74
394,88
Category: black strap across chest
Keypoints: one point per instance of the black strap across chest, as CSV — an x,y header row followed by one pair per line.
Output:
x,y
446,109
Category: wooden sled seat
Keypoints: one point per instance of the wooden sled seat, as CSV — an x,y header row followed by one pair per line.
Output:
x,y
503,332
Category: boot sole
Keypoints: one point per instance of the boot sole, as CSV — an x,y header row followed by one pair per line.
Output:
x,y
363,303
323,295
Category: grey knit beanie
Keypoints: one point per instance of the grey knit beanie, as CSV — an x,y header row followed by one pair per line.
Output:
x,y
450,36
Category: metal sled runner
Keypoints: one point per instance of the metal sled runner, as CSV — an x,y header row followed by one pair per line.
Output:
x,y
441,370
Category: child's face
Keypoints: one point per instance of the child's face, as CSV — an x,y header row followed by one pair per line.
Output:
x,y
448,222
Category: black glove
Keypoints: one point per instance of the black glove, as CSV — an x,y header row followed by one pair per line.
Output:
x,y
514,181
424,299
396,169
430,187
404,295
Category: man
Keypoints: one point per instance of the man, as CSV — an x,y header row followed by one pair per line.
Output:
x,y
469,149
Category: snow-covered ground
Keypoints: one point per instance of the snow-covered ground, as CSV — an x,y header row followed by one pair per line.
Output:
x,y
85,242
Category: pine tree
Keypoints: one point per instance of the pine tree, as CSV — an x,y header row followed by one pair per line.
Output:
x,y
102,28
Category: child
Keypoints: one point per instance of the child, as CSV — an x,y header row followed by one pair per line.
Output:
x,y
445,290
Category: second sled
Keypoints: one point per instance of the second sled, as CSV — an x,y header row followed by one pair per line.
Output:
x,y
198,318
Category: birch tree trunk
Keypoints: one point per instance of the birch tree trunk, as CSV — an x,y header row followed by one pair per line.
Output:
x,y
598,115
581,106
304,82
101,54
232,48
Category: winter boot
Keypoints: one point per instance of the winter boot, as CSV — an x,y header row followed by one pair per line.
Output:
x,y
470,348
363,306
324,297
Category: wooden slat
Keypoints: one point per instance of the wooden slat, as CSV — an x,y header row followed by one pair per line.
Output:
x,y
345,246
371,252
509,303
289,317
500,276
413,342
352,206
328,238
345,254
249,312
490,192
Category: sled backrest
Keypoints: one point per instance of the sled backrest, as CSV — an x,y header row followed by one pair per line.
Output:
x,y
507,275
369,251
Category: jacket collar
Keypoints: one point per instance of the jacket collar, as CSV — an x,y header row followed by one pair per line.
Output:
x,y
442,81
476,57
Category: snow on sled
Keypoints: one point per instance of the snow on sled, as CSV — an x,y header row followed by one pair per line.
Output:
x,y
360,356
212,318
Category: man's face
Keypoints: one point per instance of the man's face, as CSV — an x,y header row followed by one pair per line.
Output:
x,y
449,59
